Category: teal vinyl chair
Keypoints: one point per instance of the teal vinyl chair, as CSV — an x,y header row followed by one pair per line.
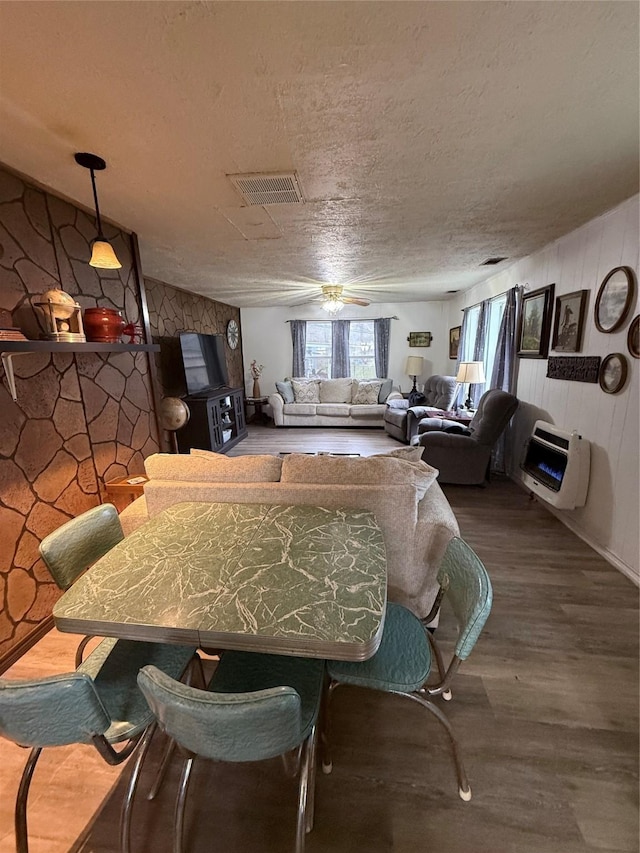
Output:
x,y
403,662
78,544
100,703
256,707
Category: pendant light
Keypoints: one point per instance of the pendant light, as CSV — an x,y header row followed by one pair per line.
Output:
x,y
102,254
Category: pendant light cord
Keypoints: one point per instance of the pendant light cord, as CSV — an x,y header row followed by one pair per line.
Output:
x,y
95,198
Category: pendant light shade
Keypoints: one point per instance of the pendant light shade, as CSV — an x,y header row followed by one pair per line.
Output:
x,y
102,253
103,256
333,306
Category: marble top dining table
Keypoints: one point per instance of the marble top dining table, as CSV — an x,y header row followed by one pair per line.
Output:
x,y
296,580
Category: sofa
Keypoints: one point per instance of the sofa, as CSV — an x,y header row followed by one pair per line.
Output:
x,y
401,420
331,402
413,513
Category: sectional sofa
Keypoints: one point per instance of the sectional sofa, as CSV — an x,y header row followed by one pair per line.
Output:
x,y
413,513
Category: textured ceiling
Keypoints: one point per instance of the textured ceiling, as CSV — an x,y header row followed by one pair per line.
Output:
x,y
427,136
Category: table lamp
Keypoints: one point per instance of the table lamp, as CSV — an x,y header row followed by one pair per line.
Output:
x,y
473,373
413,368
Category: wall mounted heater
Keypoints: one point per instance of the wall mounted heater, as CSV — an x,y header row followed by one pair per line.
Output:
x,y
556,466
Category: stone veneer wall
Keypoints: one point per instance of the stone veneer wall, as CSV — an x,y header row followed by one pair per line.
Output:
x,y
172,311
80,418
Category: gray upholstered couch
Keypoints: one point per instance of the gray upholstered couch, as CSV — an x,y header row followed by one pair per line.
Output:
x,y
413,513
401,420
335,404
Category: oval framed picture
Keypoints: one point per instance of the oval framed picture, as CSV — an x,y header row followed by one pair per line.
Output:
x,y
613,373
633,337
614,299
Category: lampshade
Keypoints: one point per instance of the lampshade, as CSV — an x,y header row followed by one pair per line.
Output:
x,y
414,365
471,372
103,256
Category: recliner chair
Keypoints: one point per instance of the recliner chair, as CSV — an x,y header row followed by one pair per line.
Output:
x,y
462,455
401,421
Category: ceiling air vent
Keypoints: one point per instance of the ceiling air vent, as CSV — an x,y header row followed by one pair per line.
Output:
x,y
268,188
490,262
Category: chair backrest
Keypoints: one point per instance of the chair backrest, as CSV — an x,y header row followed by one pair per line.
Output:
x,y
495,410
468,590
439,391
75,546
224,726
55,711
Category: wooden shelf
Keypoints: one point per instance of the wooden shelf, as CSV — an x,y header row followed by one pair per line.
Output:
x,y
89,346
9,349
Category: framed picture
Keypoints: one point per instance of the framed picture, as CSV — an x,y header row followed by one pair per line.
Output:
x,y
568,323
419,339
613,373
615,298
535,323
633,337
454,341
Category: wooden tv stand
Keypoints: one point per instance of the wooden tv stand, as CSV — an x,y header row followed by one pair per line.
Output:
x,y
217,421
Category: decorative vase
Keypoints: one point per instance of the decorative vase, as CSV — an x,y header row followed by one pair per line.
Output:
x,y
103,325
256,388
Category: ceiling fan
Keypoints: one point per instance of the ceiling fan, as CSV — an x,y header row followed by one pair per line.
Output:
x,y
333,300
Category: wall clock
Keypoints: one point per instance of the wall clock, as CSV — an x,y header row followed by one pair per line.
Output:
x,y
233,334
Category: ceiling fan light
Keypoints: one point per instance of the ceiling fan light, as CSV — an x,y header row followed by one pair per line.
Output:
x,y
333,306
103,256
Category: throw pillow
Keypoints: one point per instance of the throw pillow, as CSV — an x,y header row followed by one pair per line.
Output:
x,y
335,390
366,470
367,392
409,454
285,389
305,392
385,390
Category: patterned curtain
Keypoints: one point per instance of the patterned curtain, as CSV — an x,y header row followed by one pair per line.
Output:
x,y
339,348
503,373
458,400
299,339
381,335
478,351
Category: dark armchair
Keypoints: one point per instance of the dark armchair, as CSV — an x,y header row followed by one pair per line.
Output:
x,y
463,455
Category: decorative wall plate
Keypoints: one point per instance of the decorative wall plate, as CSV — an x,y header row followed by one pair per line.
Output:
x,y
233,334
613,373
614,299
633,337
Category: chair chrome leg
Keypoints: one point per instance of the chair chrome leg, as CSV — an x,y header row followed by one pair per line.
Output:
x,y
303,792
164,766
291,762
82,645
22,838
127,804
180,803
311,782
464,790
325,729
435,648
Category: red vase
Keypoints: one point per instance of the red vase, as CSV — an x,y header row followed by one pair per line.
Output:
x,y
103,325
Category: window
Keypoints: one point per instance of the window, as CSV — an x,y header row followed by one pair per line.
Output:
x,y
495,309
318,350
317,354
362,362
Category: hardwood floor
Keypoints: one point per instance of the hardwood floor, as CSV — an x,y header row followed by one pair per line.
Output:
x,y
546,712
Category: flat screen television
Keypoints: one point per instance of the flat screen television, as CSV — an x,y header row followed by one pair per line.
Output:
x,y
205,365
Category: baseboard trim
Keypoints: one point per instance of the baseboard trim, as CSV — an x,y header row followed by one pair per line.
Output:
x,y
14,654
609,556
